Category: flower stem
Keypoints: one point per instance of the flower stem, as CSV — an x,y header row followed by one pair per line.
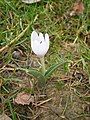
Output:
x,y
43,65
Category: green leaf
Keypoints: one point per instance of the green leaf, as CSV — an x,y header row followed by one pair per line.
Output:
x,y
36,74
53,68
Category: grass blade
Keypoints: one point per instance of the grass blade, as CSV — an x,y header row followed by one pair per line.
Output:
x,y
11,110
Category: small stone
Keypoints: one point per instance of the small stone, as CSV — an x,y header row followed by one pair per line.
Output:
x,y
16,54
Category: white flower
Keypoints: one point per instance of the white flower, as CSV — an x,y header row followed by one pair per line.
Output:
x,y
39,43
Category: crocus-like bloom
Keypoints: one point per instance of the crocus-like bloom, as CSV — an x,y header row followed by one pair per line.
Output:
x,y
39,43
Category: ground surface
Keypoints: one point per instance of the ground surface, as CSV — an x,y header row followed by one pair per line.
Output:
x,y
66,95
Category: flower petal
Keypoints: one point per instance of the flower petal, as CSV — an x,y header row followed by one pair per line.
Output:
x,y
47,40
41,38
34,36
47,37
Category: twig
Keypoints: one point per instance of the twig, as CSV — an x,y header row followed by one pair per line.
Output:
x,y
37,105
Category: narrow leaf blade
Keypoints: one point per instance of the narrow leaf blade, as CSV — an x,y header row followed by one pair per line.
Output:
x,y
53,68
36,74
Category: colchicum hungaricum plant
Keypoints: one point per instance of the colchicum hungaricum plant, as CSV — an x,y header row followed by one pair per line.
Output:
x,y
40,46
